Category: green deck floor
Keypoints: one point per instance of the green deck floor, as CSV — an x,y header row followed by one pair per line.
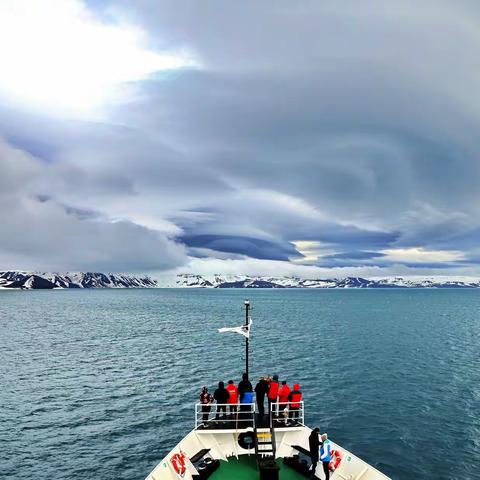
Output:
x,y
245,468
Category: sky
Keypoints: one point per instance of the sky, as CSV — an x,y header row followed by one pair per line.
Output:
x,y
314,138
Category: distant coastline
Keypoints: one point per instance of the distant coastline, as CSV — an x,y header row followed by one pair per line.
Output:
x,y
225,281
22,280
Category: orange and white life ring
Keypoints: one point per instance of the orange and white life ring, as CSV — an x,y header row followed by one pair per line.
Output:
x,y
336,458
178,463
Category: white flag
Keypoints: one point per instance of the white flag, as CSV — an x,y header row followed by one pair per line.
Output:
x,y
243,330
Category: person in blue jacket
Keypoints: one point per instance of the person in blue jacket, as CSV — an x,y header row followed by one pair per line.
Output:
x,y
325,455
245,404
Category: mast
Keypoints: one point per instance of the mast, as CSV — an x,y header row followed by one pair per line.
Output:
x,y
247,339
243,330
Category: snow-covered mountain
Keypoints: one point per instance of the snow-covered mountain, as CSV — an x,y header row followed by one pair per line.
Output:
x,y
236,281
41,280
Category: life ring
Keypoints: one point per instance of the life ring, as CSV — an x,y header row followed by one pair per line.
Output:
x,y
178,463
246,440
336,458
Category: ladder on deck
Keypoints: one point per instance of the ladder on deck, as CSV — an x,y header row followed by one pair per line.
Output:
x,y
265,444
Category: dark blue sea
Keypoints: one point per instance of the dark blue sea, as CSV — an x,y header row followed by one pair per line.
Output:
x,y
100,384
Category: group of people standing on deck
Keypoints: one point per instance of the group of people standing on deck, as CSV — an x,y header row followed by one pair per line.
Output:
x,y
230,396
289,400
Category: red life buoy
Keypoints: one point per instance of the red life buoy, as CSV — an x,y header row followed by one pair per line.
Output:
x,y
178,463
336,458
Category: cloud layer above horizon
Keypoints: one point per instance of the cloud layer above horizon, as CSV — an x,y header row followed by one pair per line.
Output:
x,y
315,138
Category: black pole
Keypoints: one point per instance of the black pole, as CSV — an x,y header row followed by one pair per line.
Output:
x,y
247,343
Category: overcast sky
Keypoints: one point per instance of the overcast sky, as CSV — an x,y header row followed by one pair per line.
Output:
x,y
312,138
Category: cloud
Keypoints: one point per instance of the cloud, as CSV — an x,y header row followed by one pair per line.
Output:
x,y
74,56
351,259
359,255
42,234
323,136
277,218
251,247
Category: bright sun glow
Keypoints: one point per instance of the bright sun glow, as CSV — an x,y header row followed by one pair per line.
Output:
x,y
55,54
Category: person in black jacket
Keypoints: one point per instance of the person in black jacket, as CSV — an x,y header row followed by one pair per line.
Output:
x,y
314,444
261,389
221,396
244,386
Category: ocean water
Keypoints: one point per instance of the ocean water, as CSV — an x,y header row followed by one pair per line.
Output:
x,y
100,384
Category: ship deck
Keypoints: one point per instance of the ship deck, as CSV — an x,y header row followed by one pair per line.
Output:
x,y
245,468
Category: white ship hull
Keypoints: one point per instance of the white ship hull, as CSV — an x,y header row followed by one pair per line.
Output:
x,y
223,445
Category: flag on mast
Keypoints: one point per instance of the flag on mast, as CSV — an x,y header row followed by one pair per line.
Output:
x,y
242,330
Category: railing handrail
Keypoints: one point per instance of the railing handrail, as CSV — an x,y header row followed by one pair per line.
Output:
x,y
241,409
284,403
298,413
300,410
223,404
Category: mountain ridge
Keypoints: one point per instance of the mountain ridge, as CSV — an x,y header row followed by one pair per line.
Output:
x,y
244,281
24,280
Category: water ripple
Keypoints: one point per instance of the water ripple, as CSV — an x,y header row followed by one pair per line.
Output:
x,y
100,384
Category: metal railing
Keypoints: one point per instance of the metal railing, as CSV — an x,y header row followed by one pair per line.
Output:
x,y
224,415
242,415
284,412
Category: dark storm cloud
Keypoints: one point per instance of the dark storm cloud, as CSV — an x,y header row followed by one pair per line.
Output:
x,y
251,247
272,221
351,124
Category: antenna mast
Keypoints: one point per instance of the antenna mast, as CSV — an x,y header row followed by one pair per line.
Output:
x,y
247,339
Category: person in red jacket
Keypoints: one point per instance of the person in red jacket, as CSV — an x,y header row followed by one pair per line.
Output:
x,y
273,392
295,397
283,396
233,398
